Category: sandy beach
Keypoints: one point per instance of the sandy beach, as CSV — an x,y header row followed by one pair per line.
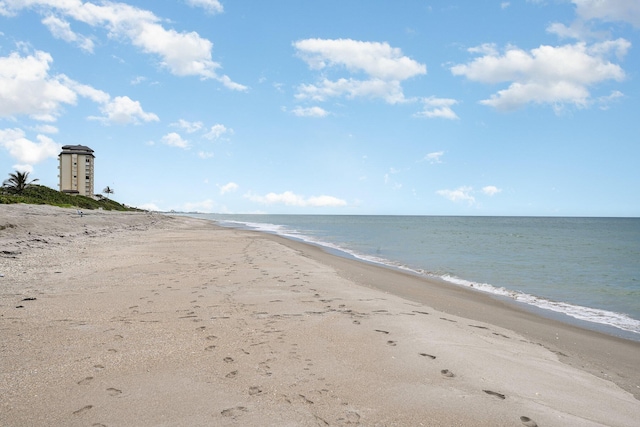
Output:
x,y
138,319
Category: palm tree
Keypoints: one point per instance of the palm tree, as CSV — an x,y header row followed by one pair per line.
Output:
x,y
107,190
17,182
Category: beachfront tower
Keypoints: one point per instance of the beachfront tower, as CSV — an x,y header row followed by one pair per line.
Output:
x,y
76,170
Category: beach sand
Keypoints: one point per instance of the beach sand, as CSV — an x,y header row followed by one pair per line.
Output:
x,y
136,319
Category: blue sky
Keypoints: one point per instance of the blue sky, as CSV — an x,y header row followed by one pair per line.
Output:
x,y
332,107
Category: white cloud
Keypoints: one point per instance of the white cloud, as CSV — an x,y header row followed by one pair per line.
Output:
x,y
150,207
505,4
310,112
460,194
183,54
434,157
189,127
96,95
26,151
609,10
606,101
228,188
137,80
211,6
438,108
291,199
27,88
546,75
385,67
123,110
175,140
217,131
62,30
205,154
491,190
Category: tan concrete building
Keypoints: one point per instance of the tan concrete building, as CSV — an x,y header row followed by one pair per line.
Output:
x,y
76,170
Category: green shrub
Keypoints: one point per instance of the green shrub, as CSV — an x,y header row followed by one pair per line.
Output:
x,y
41,195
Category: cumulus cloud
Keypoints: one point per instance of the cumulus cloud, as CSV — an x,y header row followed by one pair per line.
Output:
x,y
123,110
460,194
555,75
173,139
27,88
189,127
385,67
149,207
217,131
438,108
61,29
291,199
435,157
310,112
211,6
182,53
228,188
25,151
491,190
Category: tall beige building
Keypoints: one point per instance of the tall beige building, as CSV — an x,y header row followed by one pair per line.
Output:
x,y
76,170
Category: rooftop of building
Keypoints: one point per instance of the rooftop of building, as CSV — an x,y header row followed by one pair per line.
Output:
x,y
76,149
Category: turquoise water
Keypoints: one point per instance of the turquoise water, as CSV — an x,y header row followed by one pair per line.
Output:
x,y
579,268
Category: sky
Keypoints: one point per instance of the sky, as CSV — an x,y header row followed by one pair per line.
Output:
x,y
412,107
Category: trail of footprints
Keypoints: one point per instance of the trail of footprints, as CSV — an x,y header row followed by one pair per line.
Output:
x,y
264,368
446,373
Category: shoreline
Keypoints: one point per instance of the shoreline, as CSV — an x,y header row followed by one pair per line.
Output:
x,y
574,311
150,319
576,346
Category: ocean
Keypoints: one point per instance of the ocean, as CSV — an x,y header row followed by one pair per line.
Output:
x,y
584,271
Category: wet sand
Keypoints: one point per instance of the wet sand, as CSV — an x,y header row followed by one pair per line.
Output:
x,y
137,319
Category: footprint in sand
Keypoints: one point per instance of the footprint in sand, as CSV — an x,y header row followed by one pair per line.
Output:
x,y
82,410
384,332
85,381
427,355
210,348
114,391
228,359
447,373
391,343
496,394
231,374
528,422
233,412
254,390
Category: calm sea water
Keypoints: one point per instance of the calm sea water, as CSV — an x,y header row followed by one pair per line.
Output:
x,y
569,268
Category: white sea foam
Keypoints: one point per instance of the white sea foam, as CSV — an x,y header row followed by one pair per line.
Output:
x,y
603,317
